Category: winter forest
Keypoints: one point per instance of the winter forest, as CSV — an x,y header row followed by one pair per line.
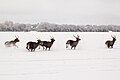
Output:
x,y
51,27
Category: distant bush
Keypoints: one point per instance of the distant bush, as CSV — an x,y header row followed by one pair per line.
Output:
x,y
48,27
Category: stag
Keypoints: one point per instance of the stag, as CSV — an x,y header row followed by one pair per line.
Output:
x,y
47,44
12,42
31,46
110,43
73,43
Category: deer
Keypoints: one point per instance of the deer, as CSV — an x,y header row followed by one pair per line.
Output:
x,y
110,43
47,44
31,46
73,43
12,42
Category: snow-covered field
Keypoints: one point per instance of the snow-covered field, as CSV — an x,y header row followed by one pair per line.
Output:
x,y
91,60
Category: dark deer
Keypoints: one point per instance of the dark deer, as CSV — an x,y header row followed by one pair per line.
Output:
x,y
73,43
110,43
47,44
31,46
12,42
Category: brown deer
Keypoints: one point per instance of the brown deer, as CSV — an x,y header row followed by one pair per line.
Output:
x,y
110,43
73,43
47,44
31,46
12,42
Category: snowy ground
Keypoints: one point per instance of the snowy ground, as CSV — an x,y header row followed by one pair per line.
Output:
x,y
91,60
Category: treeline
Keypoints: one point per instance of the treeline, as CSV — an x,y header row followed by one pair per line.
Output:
x,y
49,27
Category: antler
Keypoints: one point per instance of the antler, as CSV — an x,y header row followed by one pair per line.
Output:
x,y
74,36
77,36
37,38
17,36
113,36
51,37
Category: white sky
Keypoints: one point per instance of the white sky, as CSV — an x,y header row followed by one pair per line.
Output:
x,y
61,11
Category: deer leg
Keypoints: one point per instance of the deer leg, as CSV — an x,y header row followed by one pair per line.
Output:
x,y
71,47
111,46
39,47
74,48
43,48
33,49
46,48
66,45
27,47
16,46
49,49
108,46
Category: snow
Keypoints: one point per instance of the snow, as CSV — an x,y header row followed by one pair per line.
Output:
x,y
91,60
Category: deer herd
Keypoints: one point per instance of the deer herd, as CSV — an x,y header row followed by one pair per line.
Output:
x,y
31,46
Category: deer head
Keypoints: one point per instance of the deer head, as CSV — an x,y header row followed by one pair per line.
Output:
x,y
16,39
52,39
77,38
114,38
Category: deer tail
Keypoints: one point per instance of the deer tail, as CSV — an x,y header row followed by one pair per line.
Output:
x,y
67,43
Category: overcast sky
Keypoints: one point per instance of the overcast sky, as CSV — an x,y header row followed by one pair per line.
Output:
x,y
61,11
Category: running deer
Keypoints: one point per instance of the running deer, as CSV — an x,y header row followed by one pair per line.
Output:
x,y
12,42
73,43
31,46
47,44
110,43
